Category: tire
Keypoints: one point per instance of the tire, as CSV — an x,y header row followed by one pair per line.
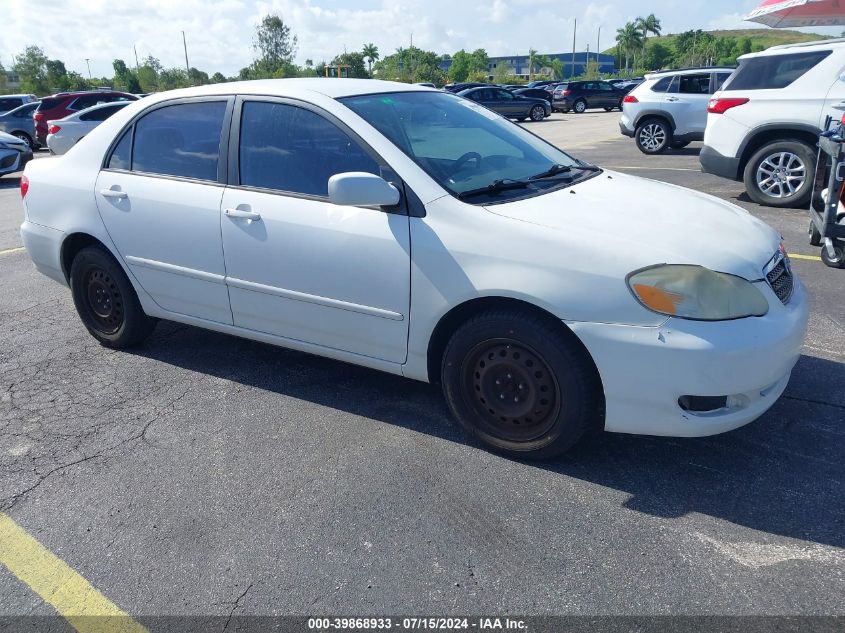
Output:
x,y
579,107
537,113
26,138
509,353
815,236
653,136
521,119
610,109
787,167
106,301
838,260
679,144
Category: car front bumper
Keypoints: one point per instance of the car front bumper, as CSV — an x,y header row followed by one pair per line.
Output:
x,y
645,370
626,126
712,162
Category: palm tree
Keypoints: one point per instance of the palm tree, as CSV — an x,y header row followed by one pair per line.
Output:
x,y
630,39
531,53
370,54
650,24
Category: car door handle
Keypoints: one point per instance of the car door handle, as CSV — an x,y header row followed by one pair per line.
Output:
x,y
672,99
240,213
113,193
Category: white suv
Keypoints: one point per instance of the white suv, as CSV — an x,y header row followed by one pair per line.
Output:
x,y
669,109
764,124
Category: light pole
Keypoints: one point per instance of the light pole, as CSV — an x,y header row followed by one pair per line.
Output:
x,y
88,63
185,46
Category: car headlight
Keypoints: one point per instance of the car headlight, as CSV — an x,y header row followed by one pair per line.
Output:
x,y
695,292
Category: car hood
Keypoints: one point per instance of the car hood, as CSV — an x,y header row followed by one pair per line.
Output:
x,y
635,222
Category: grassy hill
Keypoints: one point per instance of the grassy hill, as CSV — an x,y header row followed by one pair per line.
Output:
x,y
760,38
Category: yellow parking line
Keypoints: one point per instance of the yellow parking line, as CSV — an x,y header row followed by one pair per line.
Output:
x,y
812,258
8,251
85,608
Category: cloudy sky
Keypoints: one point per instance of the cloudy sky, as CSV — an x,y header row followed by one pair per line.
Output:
x,y
220,32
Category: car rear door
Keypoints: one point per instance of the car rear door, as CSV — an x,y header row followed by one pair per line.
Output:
x,y
297,265
159,196
687,100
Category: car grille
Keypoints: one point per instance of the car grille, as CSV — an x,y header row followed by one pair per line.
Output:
x,y
780,279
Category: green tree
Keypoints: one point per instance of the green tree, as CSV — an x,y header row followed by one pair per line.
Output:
x,y
75,81
197,77
56,75
371,54
356,63
629,39
656,55
275,44
31,66
648,25
466,64
411,65
218,78
124,78
2,79
172,78
147,78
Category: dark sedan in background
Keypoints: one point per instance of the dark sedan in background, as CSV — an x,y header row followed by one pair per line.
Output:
x,y
508,104
578,96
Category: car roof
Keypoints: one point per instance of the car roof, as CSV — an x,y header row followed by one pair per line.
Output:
x,y
682,71
334,88
799,47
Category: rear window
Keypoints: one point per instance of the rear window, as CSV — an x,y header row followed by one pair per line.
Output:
x,y
662,85
773,71
48,103
100,114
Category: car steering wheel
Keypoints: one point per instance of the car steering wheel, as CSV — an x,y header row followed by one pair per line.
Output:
x,y
465,159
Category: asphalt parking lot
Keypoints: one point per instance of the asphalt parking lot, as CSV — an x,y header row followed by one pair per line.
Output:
x,y
202,474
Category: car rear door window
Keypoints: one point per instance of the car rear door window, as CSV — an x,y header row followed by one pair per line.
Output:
x,y
120,155
288,148
100,114
773,71
662,84
698,84
180,140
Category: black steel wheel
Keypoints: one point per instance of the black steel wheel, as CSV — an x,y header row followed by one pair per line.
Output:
x,y
521,383
106,301
511,389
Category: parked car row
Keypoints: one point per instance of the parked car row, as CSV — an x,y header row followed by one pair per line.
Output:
x,y
58,121
509,103
760,122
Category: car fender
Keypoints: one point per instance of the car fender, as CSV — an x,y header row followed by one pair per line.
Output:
x,y
655,112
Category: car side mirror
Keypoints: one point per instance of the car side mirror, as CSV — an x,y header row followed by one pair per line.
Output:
x,y
360,189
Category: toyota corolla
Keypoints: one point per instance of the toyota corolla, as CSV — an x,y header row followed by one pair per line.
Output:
x,y
415,232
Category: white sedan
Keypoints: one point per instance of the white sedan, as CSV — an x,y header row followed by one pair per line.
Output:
x,y
62,134
411,231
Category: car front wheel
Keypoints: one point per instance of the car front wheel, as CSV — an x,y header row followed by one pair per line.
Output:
x,y
520,385
780,174
538,113
653,136
106,301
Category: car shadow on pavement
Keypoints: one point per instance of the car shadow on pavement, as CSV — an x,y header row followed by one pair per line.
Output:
x,y
783,474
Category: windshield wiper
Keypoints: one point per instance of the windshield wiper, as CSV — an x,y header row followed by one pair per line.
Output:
x,y
587,166
494,187
554,170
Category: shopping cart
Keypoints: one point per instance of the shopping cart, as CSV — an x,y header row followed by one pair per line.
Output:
x,y
827,211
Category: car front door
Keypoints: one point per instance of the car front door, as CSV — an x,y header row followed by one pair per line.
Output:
x,y
606,95
159,196
687,100
508,104
297,265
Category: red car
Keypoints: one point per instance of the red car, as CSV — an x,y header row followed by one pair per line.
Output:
x,y
64,103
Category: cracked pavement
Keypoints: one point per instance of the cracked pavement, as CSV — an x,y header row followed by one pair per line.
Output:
x,y
206,475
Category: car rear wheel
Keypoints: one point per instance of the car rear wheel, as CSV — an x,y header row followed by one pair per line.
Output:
x,y
106,301
26,138
538,113
780,174
516,382
580,106
653,136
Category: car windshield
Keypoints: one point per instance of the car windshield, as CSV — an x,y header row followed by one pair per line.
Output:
x,y
469,150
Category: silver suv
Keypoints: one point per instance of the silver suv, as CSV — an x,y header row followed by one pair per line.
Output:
x,y
669,109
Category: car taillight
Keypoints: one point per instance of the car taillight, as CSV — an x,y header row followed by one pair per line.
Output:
x,y
38,116
24,185
53,129
630,99
566,93
720,106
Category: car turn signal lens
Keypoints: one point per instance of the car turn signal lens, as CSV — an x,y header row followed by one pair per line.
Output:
x,y
720,106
